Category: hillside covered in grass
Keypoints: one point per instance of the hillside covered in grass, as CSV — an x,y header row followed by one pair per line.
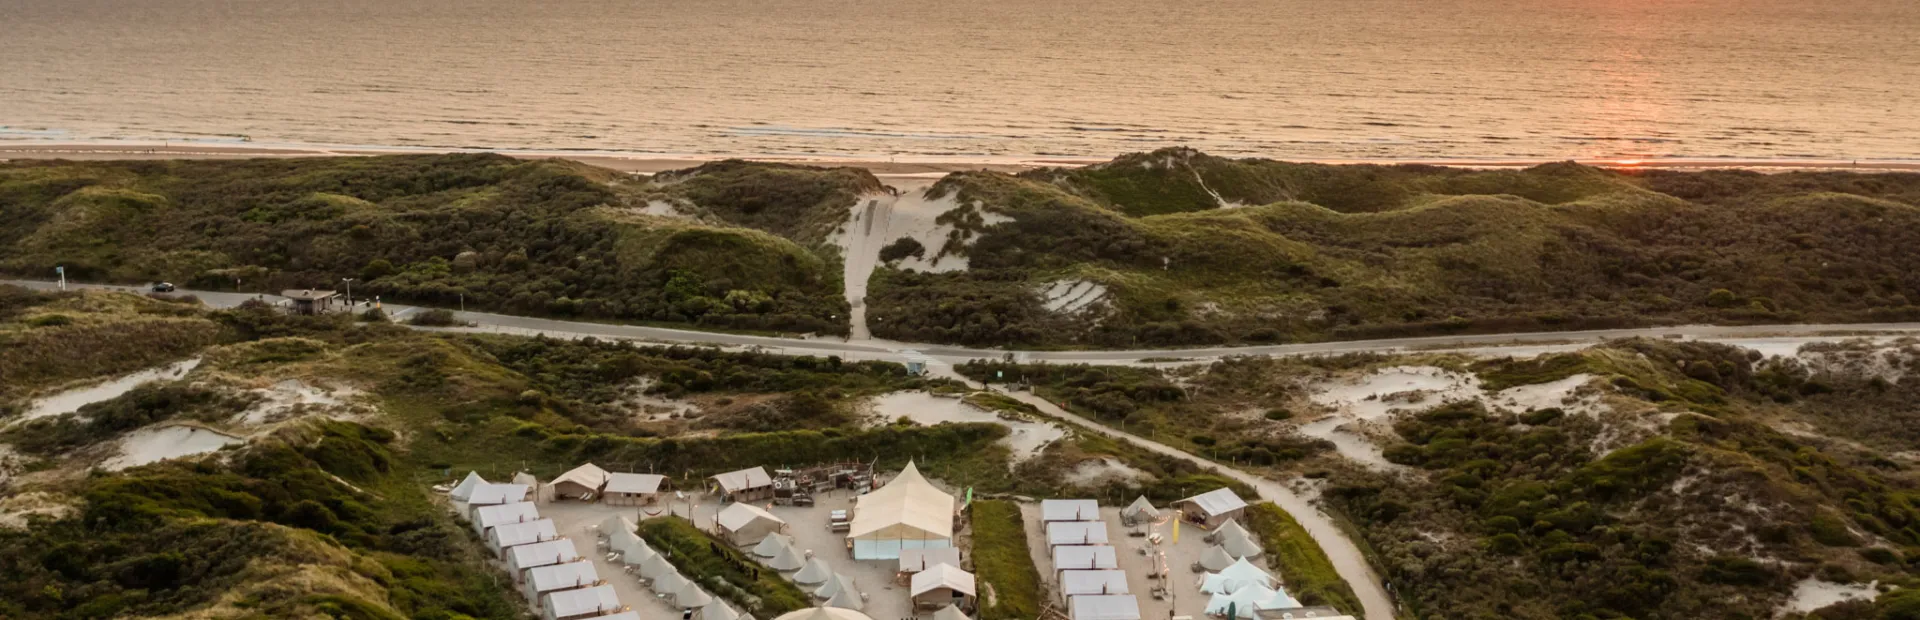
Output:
x,y
545,237
1176,247
1635,479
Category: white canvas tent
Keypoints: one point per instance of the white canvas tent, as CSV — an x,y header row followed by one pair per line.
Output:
x,y
1069,510
745,485
1214,506
1076,533
1105,607
1244,602
950,612
1078,582
1231,579
847,599
581,482
1239,544
816,572
916,560
582,603
1138,512
942,584
787,559
655,567
563,576
742,523
1084,557
632,489
625,615
824,613
690,596
533,555
488,517
465,489
907,513
834,586
718,610
1215,558
771,545
489,493
666,585
508,535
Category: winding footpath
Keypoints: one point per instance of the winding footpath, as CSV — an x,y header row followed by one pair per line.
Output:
x,y
1345,554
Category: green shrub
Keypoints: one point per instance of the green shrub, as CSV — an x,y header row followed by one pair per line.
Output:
x,y
1310,575
704,558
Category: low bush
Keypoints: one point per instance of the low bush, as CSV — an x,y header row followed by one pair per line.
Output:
x,y
1003,562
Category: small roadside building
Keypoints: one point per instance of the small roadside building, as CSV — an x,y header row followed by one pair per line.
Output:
x,y
1079,582
1085,557
529,556
632,489
1076,533
742,523
907,513
745,485
581,483
940,586
1213,507
557,577
310,301
582,603
488,517
916,560
510,535
1104,607
1069,510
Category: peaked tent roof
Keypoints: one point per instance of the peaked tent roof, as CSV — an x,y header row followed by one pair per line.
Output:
x,y
833,586
616,522
742,514
543,553
495,493
816,572
1231,528
718,610
1069,510
462,491
514,534
566,603
563,576
770,546
1105,607
1244,601
691,596
666,585
1215,558
950,612
526,479
1240,545
907,508
847,599
1279,600
751,478
502,514
655,567
1235,577
824,613
634,483
637,553
1140,507
941,576
1218,501
588,475
786,559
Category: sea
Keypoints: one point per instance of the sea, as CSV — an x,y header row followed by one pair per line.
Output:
x,y
1295,79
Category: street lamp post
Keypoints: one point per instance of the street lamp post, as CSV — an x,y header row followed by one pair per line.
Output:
x,y
349,282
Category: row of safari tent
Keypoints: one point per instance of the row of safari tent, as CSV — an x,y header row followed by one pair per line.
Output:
x,y
545,566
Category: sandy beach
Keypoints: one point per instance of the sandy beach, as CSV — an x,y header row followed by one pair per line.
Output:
x,y
933,167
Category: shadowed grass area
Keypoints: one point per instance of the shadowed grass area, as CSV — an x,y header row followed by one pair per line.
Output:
x,y
716,565
1308,574
1003,562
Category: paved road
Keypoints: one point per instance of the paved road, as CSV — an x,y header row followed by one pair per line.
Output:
x,y
1346,556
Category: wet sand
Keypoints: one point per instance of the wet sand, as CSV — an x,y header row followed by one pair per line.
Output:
x,y
647,163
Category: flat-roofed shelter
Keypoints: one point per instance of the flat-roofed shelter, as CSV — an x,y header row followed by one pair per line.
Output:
x,y
310,301
1085,557
582,603
745,485
632,489
1213,507
1105,607
1069,510
1077,582
509,535
1077,533
743,524
535,555
562,576
489,517
940,586
907,513
582,483
916,560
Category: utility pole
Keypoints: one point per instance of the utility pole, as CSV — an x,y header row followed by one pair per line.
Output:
x,y
349,282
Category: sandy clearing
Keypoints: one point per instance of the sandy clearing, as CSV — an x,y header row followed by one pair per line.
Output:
x,y
1026,439
72,400
155,444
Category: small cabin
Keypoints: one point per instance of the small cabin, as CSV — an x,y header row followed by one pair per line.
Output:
x,y
310,301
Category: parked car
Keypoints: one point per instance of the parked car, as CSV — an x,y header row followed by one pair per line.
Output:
x,y
163,287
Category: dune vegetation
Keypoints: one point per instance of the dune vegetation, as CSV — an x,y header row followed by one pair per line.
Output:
x,y
1193,249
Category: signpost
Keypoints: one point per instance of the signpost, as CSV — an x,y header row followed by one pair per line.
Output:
x,y
62,270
